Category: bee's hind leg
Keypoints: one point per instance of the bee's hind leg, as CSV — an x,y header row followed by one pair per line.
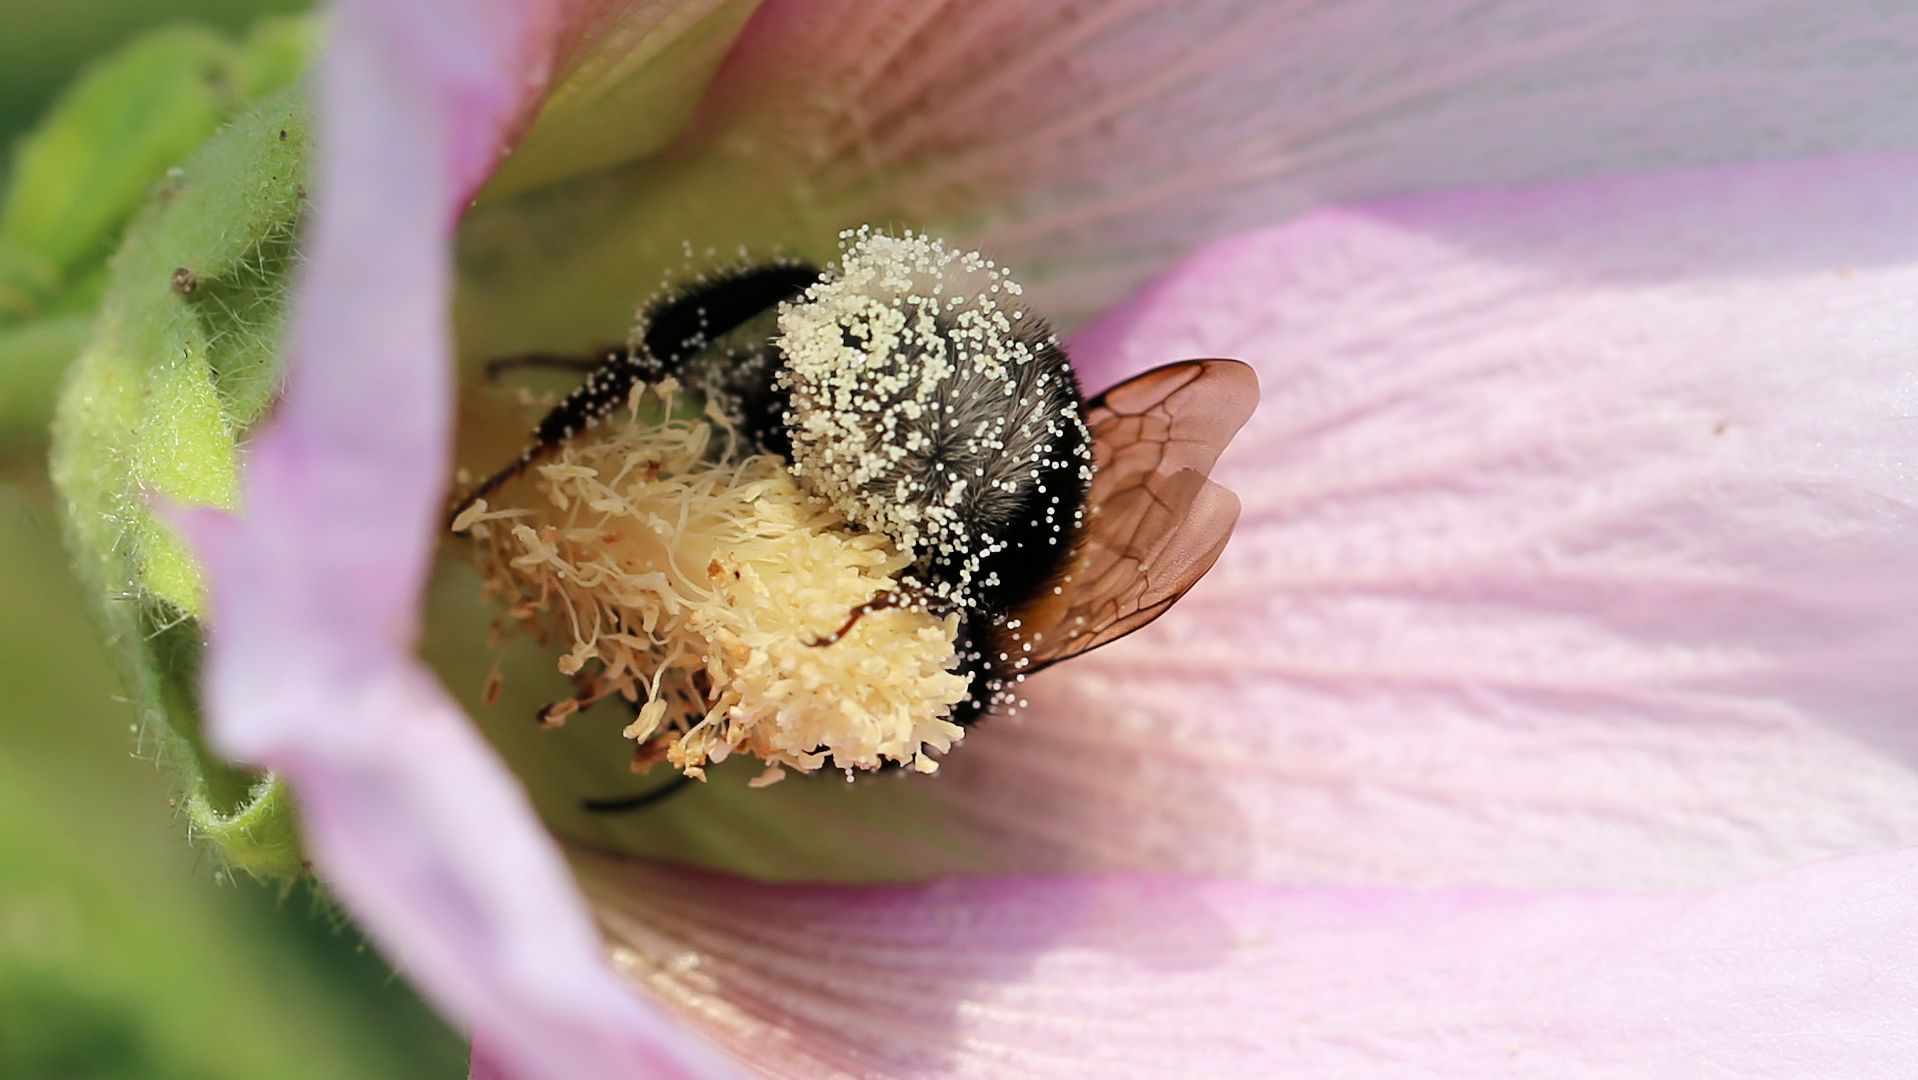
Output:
x,y
610,381
904,596
633,802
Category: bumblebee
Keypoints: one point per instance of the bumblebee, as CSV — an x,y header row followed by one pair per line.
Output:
x,y
908,386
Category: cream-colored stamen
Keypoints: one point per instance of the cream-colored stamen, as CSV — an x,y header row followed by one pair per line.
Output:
x,y
694,578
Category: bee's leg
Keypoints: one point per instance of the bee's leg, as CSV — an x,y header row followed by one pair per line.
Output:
x,y
676,329
738,308
634,802
537,361
591,692
904,596
683,324
608,387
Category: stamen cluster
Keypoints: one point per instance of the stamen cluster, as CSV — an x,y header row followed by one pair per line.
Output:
x,y
693,579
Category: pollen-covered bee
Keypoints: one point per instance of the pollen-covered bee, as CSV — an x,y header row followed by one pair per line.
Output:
x,y
908,387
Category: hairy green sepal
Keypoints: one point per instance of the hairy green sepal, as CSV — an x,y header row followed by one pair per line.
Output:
x,y
179,365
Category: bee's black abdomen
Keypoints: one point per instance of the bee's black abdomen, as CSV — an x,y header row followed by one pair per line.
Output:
x,y
1037,511
981,680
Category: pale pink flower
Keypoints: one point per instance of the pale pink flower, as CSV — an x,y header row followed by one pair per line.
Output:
x,y
1551,713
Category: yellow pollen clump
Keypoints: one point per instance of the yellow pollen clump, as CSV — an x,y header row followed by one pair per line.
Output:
x,y
694,579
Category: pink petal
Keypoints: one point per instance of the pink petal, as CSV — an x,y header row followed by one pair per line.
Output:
x,y
1811,974
1089,145
315,592
1580,546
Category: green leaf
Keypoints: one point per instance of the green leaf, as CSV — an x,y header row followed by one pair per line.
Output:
x,y
95,159
100,154
119,127
180,364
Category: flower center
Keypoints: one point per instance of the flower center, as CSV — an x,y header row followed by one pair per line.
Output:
x,y
693,577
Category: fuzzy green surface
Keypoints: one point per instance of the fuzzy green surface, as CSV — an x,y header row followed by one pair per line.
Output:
x,y
179,365
123,952
86,168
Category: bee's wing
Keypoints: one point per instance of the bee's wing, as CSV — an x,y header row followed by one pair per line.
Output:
x,y
1157,524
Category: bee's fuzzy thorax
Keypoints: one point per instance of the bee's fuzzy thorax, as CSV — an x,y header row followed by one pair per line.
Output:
x,y
927,405
693,582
